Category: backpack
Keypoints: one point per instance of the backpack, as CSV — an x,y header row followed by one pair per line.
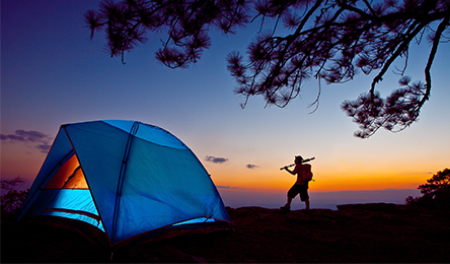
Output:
x,y
307,174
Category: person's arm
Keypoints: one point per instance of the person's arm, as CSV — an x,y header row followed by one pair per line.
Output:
x,y
293,172
287,169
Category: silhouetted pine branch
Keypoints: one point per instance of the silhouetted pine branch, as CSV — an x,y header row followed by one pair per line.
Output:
x,y
329,40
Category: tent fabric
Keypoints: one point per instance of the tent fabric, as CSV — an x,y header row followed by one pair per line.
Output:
x,y
76,204
69,176
124,177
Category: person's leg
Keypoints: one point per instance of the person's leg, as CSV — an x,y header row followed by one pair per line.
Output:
x,y
287,206
304,197
290,195
289,201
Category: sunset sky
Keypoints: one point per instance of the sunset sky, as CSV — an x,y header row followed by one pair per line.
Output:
x,y
53,74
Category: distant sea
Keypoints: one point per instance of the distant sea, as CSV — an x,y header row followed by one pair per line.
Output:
x,y
240,197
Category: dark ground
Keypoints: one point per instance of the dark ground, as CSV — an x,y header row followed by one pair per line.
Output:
x,y
353,233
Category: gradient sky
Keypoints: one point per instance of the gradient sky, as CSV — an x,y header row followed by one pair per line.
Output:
x,y
53,74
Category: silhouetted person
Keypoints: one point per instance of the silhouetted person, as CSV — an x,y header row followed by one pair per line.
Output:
x,y
300,186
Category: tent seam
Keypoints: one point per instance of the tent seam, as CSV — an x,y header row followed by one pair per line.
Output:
x,y
87,182
122,174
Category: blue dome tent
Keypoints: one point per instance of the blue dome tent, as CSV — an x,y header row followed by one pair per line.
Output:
x,y
125,178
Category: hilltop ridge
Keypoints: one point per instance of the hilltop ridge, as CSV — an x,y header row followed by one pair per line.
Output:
x,y
354,233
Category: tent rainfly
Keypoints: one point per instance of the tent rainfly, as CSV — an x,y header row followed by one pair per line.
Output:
x,y
126,178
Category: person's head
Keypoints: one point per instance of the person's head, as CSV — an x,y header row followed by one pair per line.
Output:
x,y
298,159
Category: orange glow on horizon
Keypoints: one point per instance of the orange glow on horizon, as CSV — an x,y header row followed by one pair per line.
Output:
x,y
330,176
325,181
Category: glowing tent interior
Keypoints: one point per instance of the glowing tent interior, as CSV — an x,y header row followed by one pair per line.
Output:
x,y
125,178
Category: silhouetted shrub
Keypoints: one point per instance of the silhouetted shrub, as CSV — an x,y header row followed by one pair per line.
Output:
x,y
13,199
436,192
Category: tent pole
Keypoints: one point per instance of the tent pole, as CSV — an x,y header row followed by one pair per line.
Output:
x,y
123,169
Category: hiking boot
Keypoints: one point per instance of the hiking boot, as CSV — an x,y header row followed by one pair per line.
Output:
x,y
286,208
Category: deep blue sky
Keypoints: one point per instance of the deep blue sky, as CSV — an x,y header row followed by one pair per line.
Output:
x,y
52,74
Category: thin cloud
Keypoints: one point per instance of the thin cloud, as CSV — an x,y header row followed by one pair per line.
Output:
x,y
227,187
218,160
31,136
12,138
44,148
251,166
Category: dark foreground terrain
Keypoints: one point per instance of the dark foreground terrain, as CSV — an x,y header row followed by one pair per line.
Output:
x,y
353,233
